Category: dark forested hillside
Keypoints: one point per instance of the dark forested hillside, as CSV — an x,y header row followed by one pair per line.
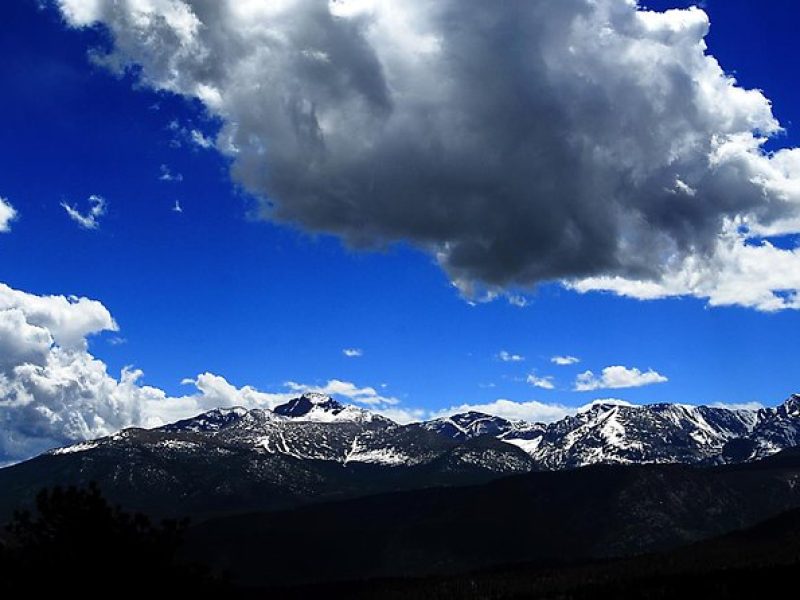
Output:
x,y
584,514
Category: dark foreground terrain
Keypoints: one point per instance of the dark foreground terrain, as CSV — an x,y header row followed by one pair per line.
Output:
x,y
602,531
758,562
597,512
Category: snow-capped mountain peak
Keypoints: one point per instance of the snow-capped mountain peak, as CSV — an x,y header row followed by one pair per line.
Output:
x,y
791,406
305,404
320,408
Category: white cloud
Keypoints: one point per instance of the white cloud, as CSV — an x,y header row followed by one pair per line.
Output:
x,y
738,405
617,377
91,218
532,411
51,389
193,137
201,140
591,142
353,352
517,300
67,319
506,356
213,391
7,214
177,208
399,414
166,174
545,383
565,360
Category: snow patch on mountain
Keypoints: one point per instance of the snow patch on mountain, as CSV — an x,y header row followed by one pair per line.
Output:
x,y
382,456
81,447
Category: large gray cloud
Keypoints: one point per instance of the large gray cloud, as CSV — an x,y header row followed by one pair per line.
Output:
x,y
586,141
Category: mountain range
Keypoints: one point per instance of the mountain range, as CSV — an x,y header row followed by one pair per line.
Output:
x,y
314,448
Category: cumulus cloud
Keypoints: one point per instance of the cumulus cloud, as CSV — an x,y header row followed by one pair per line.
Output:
x,y
353,352
592,142
617,377
545,383
91,218
51,388
506,356
7,214
564,361
67,319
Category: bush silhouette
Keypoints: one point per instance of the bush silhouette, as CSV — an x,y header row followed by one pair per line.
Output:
x,y
75,540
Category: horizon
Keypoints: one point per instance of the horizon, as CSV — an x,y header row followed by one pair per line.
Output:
x,y
172,241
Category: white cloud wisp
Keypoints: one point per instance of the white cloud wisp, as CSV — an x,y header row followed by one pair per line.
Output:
x,y
617,377
89,219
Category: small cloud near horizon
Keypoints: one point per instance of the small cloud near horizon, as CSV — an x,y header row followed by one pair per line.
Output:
x,y
506,356
563,361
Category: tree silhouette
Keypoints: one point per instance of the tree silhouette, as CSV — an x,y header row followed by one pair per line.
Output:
x,y
75,540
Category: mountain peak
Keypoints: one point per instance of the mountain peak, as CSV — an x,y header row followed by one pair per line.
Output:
x,y
313,406
212,420
468,425
308,402
791,406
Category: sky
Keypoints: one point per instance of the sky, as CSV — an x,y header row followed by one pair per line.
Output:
x,y
418,209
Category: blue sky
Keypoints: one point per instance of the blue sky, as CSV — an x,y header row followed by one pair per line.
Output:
x,y
214,288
